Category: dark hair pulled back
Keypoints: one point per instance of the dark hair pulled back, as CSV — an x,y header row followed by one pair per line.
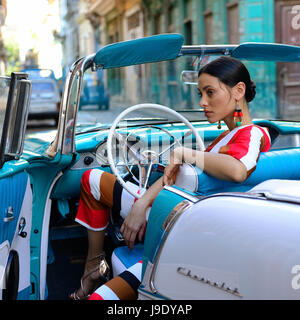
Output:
x,y
230,71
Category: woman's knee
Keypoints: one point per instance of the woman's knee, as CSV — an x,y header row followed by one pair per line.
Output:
x,y
90,180
86,177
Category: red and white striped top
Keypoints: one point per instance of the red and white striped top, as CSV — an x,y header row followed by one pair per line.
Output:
x,y
244,143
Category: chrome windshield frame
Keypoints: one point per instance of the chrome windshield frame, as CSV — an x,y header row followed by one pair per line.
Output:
x,y
65,139
66,142
200,50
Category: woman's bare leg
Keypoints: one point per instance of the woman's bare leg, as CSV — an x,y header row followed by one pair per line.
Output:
x,y
96,246
94,267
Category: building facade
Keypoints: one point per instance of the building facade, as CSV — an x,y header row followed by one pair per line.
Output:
x,y
219,22
102,22
69,34
3,13
112,21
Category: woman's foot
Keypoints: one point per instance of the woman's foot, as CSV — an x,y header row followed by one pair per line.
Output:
x,y
96,273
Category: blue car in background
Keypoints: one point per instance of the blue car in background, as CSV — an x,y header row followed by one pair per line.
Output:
x,y
94,93
44,100
37,73
45,94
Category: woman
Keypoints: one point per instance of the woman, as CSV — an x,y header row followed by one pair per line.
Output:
x,y
225,88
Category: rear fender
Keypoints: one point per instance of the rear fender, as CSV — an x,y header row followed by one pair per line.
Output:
x,y
228,247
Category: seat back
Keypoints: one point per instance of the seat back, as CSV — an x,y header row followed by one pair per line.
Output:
x,y
278,164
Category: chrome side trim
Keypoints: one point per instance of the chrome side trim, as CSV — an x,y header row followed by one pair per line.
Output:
x,y
146,279
256,194
147,289
277,197
149,276
182,194
144,295
177,210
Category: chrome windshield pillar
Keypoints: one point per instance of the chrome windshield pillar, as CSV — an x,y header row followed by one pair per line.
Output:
x,y
65,139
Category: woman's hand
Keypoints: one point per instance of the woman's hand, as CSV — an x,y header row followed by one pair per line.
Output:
x,y
135,223
170,172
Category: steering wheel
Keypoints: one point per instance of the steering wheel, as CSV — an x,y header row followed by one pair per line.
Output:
x,y
148,158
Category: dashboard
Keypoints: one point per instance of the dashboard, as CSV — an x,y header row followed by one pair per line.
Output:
x,y
137,145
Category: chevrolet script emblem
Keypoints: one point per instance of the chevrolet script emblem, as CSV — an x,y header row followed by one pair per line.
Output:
x,y
222,286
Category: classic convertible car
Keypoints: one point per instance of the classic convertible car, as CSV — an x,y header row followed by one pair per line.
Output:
x,y
205,239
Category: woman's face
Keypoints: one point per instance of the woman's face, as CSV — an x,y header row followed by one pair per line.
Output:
x,y
216,98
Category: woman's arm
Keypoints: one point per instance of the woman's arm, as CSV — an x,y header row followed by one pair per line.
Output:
x,y
221,166
218,165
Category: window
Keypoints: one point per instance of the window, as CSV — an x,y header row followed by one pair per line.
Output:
x,y
233,23
157,24
208,27
187,9
134,21
188,32
188,28
171,19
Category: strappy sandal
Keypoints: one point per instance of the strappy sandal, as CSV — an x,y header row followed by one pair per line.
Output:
x,y
97,276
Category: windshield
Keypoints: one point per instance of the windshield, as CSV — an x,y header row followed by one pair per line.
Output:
x,y
277,91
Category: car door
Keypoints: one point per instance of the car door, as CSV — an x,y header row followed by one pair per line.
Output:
x,y
15,190
15,225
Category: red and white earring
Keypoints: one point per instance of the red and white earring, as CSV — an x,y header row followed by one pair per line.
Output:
x,y
238,116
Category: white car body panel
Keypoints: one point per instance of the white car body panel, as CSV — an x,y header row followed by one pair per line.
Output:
x,y
249,245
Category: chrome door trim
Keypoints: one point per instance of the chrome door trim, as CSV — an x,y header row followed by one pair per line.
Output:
x,y
149,276
181,193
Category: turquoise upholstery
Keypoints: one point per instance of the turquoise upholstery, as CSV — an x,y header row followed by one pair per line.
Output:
x,y
281,164
12,192
130,257
144,50
163,204
267,52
